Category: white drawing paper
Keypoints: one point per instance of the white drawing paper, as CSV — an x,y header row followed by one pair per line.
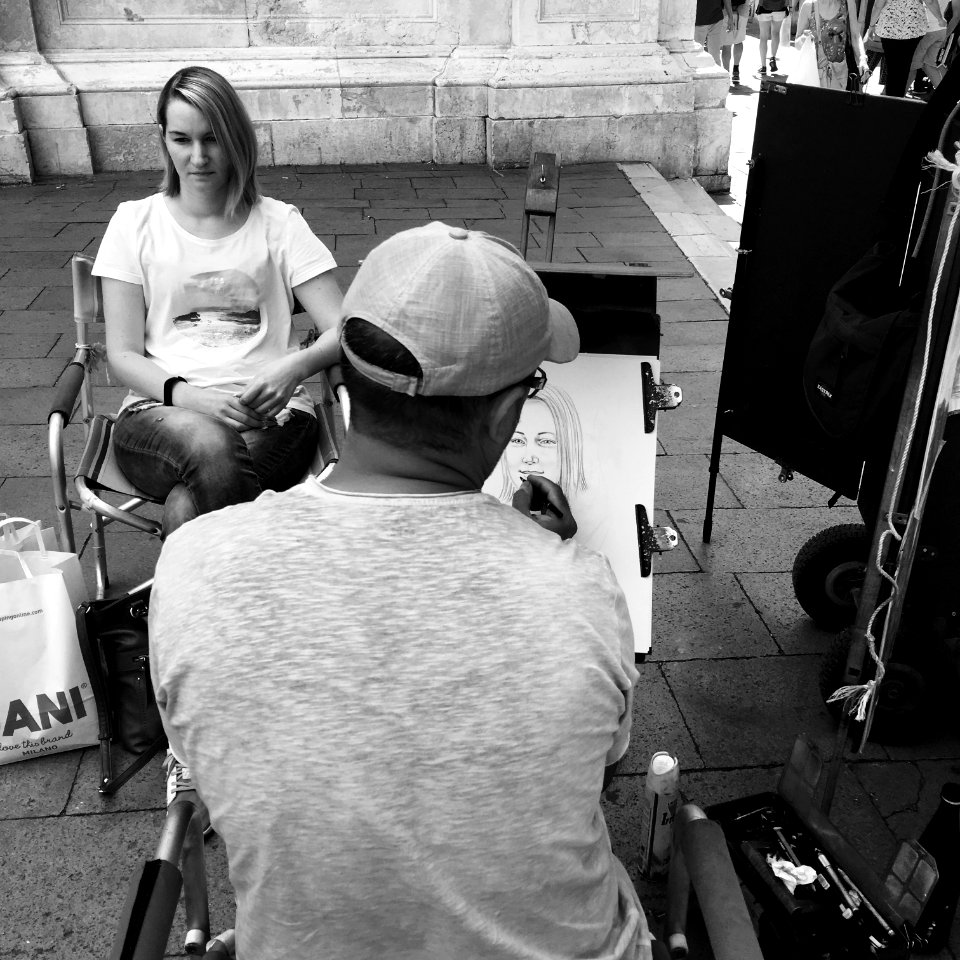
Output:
x,y
586,432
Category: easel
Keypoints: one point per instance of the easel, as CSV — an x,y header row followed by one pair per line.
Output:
x,y
541,197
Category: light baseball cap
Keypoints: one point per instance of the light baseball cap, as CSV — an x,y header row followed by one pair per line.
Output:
x,y
468,307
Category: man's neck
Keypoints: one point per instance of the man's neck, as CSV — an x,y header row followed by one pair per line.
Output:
x,y
367,465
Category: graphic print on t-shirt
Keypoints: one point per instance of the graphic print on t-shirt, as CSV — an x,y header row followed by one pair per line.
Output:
x,y
225,311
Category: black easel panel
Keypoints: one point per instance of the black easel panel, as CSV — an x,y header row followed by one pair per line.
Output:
x,y
822,163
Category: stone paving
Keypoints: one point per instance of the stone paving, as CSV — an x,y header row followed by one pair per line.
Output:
x,y
732,677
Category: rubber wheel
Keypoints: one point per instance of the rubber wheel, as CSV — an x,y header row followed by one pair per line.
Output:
x,y
903,712
827,573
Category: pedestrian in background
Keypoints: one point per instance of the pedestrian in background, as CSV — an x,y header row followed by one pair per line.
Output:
x,y
832,26
899,25
770,14
929,48
732,42
710,28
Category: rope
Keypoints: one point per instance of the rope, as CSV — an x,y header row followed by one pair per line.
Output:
x,y
96,356
859,694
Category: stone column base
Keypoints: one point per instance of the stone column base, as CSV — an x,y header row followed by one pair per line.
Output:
x,y
15,165
661,103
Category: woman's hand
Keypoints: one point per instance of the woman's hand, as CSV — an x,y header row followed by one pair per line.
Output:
x,y
270,390
225,407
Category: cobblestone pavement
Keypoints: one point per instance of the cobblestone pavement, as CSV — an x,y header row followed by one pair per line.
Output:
x,y
732,677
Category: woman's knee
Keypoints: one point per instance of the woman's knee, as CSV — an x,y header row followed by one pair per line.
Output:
x,y
178,508
161,447
208,438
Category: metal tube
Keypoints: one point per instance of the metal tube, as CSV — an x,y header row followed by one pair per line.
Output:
x,y
195,904
174,830
98,505
551,230
58,474
524,233
707,862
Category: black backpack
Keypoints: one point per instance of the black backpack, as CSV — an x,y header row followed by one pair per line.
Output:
x,y
857,362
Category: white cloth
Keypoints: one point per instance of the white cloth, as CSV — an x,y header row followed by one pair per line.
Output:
x,y
217,310
398,710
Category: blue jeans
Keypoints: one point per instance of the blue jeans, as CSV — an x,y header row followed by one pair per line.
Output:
x,y
195,463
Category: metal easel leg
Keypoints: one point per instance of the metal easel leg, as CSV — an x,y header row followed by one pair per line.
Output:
x,y
551,230
707,531
524,234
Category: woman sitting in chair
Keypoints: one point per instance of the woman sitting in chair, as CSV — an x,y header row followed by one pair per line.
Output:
x,y
198,285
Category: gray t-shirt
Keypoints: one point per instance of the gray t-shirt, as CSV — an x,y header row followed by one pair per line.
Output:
x,y
398,710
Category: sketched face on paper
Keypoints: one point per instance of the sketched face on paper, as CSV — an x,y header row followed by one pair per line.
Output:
x,y
534,447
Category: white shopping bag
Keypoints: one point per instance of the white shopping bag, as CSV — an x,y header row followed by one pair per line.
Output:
x,y
31,536
46,701
805,70
39,559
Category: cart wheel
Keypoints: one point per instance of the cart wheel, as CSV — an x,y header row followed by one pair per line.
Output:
x,y
828,571
903,711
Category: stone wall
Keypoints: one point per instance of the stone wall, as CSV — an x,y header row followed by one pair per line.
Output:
x,y
354,81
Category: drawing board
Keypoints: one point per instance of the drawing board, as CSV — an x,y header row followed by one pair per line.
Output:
x,y
586,432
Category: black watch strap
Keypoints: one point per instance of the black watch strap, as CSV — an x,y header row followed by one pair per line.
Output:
x,y
168,386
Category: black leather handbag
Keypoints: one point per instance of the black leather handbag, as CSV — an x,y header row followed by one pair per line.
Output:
x,y
115,645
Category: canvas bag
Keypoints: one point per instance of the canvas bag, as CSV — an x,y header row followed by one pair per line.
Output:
x,y
46,700
13,538
41,560
858,358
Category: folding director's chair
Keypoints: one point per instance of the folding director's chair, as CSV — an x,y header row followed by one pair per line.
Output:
x,y
100,486
700,863
154,892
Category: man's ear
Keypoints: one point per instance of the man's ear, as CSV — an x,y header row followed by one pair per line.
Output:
x,y
505,415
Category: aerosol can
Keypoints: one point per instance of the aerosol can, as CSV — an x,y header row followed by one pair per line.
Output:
x,y
661,797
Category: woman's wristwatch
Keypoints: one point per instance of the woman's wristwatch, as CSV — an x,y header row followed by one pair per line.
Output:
x,y
168,386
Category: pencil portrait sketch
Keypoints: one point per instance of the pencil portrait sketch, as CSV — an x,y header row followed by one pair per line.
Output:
x,y
548,441
585,431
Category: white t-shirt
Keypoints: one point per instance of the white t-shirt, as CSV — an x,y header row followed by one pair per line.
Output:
x,y
217,310
398,710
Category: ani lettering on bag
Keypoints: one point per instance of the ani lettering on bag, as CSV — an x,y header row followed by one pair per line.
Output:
x,y
20,717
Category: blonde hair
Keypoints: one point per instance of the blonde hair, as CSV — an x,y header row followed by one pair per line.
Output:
x,y
569,444
221,107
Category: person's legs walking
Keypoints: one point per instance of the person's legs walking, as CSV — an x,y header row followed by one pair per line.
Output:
x,y
775,40
764,23
700,34
715,38
898,55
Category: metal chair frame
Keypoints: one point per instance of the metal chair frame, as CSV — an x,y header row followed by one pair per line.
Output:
x,y
75,387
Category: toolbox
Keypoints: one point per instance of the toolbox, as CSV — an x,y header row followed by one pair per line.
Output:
x,y
842,910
